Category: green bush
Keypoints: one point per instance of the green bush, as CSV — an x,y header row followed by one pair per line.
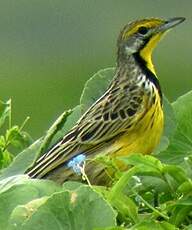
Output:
x,y
155,193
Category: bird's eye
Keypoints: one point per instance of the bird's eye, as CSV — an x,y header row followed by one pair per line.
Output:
x,y
143,30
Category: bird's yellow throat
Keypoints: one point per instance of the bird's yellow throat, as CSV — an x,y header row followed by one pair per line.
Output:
x,y
146,52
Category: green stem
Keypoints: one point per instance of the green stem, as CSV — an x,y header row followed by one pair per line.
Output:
x,y
10,114
24,123
151,207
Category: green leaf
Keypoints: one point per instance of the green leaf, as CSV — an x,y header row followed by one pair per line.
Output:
x,y
5,159
2,141
153,225
22,161
26,158
70,122
126,207
164,189
7,183
187,165
152,183
56,126
176,172
21,213
17,138
72,185
146,162
185,187
181,142
180,213
170,118
19,191
95,87
5,110
82,209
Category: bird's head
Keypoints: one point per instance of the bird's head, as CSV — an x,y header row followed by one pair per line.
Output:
x,y
141,37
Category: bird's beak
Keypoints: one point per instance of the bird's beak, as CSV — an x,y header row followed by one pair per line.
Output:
x,y
170,23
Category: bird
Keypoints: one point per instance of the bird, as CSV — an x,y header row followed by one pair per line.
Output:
x,y
128,118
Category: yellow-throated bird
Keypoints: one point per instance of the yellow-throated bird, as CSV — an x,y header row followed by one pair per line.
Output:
x,y
128,118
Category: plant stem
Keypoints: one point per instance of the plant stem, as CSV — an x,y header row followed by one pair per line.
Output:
x,y
150,206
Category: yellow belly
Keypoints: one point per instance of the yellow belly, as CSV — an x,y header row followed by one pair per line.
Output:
x,y
145,136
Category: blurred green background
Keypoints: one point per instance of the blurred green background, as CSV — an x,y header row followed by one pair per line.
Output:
x,y
49,48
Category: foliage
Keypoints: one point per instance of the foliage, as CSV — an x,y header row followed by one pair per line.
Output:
x,y
155,193
14,139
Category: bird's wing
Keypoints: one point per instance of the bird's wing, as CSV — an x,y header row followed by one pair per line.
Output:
x,y
114,113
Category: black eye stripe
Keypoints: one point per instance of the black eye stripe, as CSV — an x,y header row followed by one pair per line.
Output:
x,y
143,30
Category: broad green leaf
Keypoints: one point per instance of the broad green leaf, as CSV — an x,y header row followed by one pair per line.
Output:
x,y
19,191
181,142
170,118
162,146
5,109
8,182
72,185
21,213
82,209
95,87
